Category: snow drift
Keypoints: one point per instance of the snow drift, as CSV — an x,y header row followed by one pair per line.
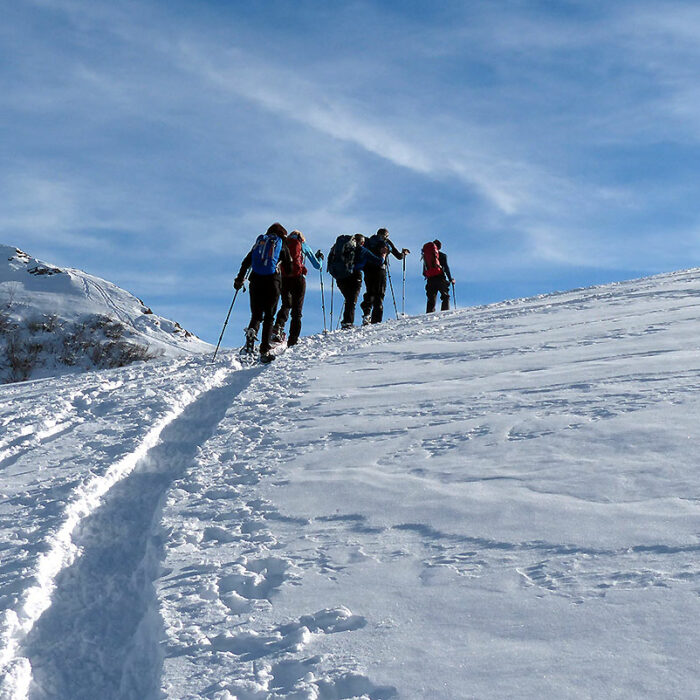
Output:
x,y
57,321
494,502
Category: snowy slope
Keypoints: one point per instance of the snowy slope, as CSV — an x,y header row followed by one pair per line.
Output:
x,y
495,502
70,320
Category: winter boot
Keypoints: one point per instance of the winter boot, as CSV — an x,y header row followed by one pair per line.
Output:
x,y
266,357
366,320
250,338
277,334
346,325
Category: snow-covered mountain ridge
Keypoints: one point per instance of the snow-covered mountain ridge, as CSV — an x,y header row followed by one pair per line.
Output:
x,y
55,321
494,502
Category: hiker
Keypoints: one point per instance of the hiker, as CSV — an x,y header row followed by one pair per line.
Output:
x,y
438,277
346,260
294,287
375,276
267,258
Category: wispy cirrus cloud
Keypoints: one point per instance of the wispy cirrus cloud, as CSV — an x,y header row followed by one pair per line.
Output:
x,y
529,137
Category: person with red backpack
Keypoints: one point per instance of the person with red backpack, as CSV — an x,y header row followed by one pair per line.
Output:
x,y
294,287
437,276
267,258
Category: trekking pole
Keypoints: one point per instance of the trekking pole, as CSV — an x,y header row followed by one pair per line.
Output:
x,y
332,294
228,315
340,317
323,302
391,286
403,290
454,296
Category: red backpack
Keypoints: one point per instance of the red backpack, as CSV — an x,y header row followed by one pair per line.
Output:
x,y
431,260
296,252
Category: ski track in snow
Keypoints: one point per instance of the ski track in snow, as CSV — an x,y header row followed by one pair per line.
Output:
x,y
34,558
340,471
105,599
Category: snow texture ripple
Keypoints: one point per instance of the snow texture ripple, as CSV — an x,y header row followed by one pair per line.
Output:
x,y
495,502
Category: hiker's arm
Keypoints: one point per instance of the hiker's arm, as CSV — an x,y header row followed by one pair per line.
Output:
x,y
446,267
247,261
310,256
399,254
367,254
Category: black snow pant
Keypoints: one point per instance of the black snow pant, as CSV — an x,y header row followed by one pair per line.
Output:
x,y
434,285
264,295
293,293
375,289
350,289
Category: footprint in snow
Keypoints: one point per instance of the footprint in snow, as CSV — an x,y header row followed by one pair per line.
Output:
x,y
290,637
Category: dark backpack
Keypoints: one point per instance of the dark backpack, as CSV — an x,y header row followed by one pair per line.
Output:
x,y
266,254
375,244
341,259
296,252
431,260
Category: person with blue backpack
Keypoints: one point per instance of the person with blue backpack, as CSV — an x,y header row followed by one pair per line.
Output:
x,y
294,287
376,276
266,260
346,260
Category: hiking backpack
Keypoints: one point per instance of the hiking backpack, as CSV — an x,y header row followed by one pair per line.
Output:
x,y
431,260
296,252
375,244
341,259
266,254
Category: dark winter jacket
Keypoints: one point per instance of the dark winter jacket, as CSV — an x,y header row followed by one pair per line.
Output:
x,y
363,256
375,244
445,267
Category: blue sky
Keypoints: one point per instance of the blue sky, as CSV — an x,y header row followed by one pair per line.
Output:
x,y
549,145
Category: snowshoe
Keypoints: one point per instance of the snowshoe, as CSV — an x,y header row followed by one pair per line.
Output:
x,y
366,320
278,338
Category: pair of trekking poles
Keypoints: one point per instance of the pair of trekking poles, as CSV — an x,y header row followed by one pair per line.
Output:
x,y
323,300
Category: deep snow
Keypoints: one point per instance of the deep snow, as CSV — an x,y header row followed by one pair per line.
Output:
x,y
494,502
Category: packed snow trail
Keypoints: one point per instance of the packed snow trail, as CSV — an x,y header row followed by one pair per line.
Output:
x,y
83,466
105,601
496,502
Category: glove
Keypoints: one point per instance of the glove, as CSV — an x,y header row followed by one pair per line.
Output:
x,y
319,255
237,283
406,252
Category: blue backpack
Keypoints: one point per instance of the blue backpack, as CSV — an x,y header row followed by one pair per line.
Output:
x,y
266,254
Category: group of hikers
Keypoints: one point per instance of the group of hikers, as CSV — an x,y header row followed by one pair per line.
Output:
x,y
276,268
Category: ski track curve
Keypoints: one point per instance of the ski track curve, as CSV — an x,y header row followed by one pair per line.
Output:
x,y
105,298
60,551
